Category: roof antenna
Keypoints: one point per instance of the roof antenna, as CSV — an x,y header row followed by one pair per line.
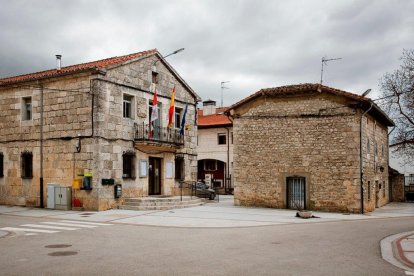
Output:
x,y
324,61
222,88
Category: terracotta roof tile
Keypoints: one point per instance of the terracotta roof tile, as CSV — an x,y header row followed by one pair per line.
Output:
x,y
213,120
99,64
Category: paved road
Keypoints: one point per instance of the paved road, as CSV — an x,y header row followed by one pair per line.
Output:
x,y
326,248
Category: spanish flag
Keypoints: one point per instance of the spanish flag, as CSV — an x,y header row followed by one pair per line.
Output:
x,y
171,111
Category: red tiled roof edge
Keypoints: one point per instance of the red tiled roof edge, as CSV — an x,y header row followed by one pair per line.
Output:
x,y
77,68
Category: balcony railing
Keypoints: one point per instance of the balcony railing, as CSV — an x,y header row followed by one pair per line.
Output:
x,y
409,180
145,132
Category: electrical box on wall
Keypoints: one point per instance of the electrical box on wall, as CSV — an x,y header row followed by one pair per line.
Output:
x,y
117,190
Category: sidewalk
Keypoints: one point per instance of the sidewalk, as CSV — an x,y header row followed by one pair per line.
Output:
x,y
212,215
398,250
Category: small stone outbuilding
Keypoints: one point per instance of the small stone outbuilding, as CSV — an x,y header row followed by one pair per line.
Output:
x,y
299,146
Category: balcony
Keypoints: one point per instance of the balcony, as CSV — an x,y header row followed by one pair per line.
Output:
x,y
161,138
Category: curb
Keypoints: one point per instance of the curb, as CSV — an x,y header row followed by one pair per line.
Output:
x,y
391,251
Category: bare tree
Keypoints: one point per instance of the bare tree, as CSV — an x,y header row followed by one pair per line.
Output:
x,y
398,100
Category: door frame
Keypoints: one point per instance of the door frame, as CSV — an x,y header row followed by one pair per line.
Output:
x,y
152,178
304,196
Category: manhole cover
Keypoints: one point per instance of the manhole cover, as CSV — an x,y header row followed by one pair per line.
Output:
x,y
86,214
58,245
62,253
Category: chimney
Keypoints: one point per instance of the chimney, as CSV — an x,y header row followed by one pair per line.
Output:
x,y
209,107
58,62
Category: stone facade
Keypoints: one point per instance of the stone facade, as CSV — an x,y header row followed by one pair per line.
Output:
x,y
87,108
313,135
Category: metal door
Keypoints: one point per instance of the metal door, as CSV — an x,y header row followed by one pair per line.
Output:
x,y
154,179
296,192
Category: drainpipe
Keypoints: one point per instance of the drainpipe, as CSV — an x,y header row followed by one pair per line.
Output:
x,y
360,158
228,161
41,148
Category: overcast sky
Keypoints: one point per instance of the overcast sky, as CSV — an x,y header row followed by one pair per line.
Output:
x,y
253,44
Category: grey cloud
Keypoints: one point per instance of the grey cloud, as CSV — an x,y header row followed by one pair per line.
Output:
x,y
254,44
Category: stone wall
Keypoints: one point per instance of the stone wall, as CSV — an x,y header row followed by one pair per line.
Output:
x,y
67,114
376,193
68,118
316,137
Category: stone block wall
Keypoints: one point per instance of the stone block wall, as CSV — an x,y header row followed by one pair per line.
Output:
x,y
316,137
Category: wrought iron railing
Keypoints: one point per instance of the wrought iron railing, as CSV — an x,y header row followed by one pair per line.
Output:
x,y
409,180
146,132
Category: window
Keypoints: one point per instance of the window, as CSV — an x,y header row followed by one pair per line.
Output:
x,y
376,149
27,164
27,108
1,164
221,137
382,150
128,106
177,118
369,190
154,77
128,165
179,168
383,189
231,137
210,165
368,147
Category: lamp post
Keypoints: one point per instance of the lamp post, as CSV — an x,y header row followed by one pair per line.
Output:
x,y
163,57
361,162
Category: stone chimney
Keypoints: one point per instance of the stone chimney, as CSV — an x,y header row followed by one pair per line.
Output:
x,y
58,62
209,107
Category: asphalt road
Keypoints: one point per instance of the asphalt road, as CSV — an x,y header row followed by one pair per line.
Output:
x,y
329,248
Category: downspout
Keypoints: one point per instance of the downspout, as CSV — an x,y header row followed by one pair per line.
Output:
x,y
41,148
360,158
228,161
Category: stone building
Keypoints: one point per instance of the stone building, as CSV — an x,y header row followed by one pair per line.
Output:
x,y
215,147
90,122
298,146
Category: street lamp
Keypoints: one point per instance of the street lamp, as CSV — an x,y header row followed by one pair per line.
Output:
x,y
163,57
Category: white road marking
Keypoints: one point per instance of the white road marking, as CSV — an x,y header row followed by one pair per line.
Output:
x,y
69,224
86,222
28,230
49,227
409,273
31,234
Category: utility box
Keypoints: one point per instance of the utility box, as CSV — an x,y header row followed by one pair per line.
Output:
x,y
51,195
63,198
117,190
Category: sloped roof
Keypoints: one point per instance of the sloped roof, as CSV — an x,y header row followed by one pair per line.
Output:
x,y
213,120
312,88
77,68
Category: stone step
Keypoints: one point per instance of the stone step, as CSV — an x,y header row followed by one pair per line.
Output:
x,y
161,203
147,199
158,207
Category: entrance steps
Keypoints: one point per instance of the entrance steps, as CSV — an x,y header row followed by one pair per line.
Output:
x,y
160,203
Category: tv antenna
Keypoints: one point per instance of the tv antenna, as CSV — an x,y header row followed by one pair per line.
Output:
x,y
222,88
324,62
